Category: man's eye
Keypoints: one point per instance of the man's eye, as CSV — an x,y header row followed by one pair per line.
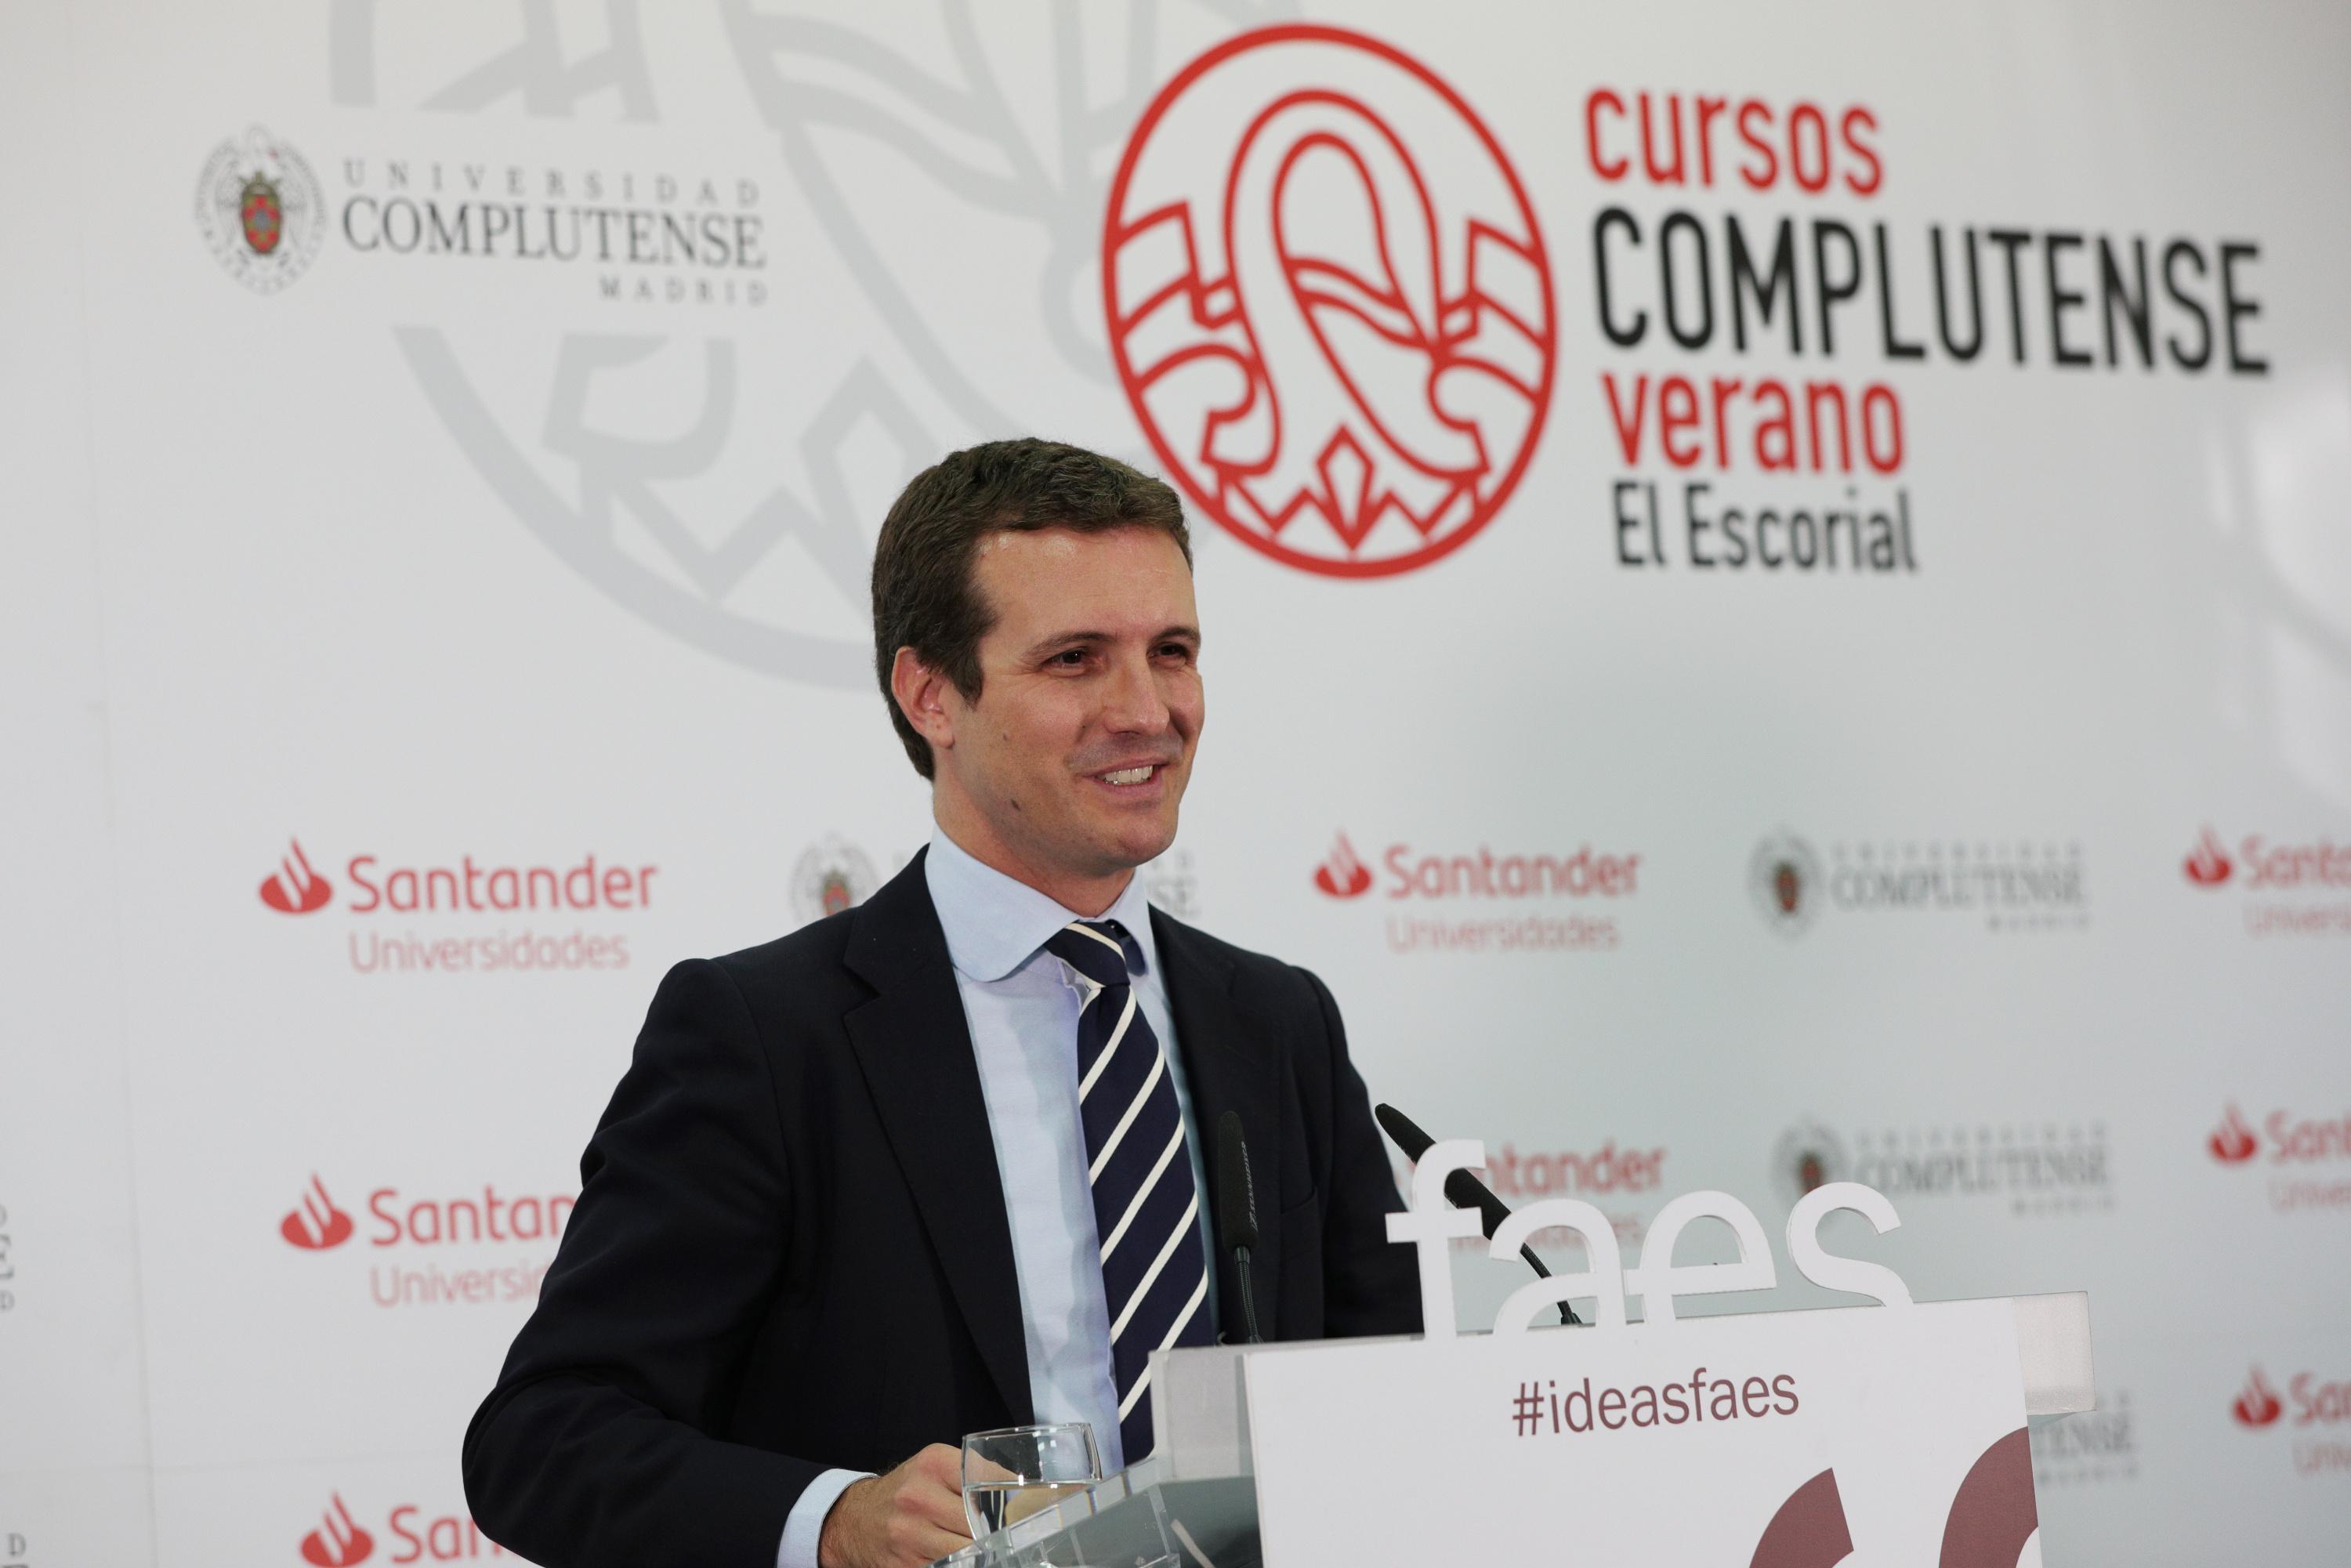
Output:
x,y
1069,658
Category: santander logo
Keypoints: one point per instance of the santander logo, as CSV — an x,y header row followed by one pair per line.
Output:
x,y
1420,874
2293,1140
418,1534
395,1220
315,1225
529,911
2233,1142
2259,1404
2306,866
470,886
2309,1400
2208,865
339,1542
479,1248
1342,874
296,887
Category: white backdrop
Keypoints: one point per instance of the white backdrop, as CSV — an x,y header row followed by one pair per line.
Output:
x,y
452,437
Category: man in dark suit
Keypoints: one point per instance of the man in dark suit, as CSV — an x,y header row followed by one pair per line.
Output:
x,y
935,1165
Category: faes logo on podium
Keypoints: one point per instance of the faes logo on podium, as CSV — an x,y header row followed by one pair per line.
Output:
x,y
1895,1431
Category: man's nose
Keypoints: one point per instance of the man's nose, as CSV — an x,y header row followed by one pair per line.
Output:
x,y
1132,705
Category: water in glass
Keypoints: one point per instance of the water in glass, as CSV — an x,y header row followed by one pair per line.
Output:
x,y
1016,1471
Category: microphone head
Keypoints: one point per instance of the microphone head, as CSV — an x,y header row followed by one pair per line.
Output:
x,y
1236,1197
1402,1132
1463,1190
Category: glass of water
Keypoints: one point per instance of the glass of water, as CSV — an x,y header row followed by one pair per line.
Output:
x,y
1015,1471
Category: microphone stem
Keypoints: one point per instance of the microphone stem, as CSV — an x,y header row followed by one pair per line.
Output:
x,y
1567,1317
1249,1297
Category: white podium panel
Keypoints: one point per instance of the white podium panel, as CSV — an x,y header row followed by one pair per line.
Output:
x,y
1904,1444
1203,1397
1705,1441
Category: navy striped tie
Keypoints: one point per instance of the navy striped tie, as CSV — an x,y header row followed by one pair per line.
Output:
x,y
1146,1206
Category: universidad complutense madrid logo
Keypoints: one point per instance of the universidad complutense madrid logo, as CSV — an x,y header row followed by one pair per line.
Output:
x,y
1808,1156
2026,1166
2014,885
1329,302
260,208
830,876
1784,877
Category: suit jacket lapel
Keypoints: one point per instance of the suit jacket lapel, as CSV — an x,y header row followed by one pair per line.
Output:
x,y
1226,1070
915,1048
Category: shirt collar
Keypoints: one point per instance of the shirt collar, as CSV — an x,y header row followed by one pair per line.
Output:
x,y
995,924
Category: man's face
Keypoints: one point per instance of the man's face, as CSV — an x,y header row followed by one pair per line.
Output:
x,y
1079,747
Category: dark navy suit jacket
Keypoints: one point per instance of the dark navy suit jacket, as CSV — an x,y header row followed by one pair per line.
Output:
x,y
790,1250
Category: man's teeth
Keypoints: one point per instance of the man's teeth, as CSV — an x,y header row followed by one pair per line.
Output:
x,y
1129,775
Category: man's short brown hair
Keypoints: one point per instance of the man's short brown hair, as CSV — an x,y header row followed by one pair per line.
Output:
x,y
924,597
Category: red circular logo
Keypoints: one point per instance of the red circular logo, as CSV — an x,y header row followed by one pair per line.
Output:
x,y
1329,302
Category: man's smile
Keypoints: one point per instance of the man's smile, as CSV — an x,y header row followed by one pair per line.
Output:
x,y
1131,780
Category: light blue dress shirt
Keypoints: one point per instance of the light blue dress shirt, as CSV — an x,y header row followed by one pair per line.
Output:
x,y
1022,1004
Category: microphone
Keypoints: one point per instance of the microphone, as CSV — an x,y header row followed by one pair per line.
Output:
x,y
1462,1190
1237,1211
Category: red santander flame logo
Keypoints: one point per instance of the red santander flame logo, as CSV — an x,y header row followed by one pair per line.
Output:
x,y
2232,1142
2208,866
1342,874
317,1224
2258,1404
339,1542
296,887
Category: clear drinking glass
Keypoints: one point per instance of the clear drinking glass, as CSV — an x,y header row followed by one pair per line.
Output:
x,y
1015,1471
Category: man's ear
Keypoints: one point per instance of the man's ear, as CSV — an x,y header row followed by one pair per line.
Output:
x,y
920,692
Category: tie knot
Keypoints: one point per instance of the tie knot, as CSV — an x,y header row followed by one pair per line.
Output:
x,y
1094,948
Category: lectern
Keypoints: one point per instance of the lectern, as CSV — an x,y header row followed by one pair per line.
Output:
x,y
1195,1498
1225,1490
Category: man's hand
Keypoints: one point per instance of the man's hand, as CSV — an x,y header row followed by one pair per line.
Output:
x,y
901,1519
